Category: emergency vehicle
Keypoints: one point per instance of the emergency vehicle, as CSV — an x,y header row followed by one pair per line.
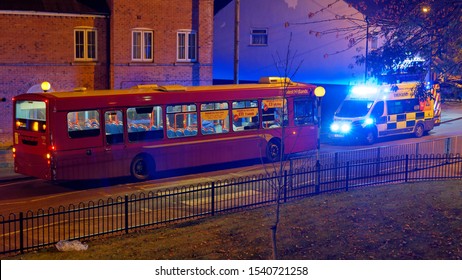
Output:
x,y
368,113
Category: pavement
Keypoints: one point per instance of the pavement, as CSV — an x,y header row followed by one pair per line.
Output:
x,y
451,111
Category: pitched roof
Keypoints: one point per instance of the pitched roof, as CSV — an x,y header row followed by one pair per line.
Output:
x,y
98,7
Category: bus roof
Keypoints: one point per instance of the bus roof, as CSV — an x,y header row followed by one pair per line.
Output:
x,y
146,94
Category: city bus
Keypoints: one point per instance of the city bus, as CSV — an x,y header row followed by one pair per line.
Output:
x,y
83,134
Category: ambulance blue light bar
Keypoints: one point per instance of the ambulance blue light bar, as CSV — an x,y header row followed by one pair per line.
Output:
x,y
364,91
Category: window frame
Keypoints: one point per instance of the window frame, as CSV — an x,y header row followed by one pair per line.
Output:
x,y
85,45
185,50
246,115
83,124
214,118
274,116
143,45
189,114
254,35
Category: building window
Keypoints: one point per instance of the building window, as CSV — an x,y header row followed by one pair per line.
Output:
x,y
142,42
187,46
85,44
259,37
374,41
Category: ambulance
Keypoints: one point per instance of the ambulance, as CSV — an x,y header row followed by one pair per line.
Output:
x,y
369,113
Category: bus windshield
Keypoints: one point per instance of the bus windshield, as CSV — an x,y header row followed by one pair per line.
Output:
x,y
354,108
31,116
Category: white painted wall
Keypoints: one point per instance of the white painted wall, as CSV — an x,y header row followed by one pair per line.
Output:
x,y
320,64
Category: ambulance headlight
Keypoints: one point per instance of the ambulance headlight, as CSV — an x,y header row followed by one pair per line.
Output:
x,y
345,128
335,127
368,121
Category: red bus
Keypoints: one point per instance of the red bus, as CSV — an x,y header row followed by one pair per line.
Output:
x,y
96,134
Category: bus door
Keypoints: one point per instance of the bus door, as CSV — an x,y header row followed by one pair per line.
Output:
x,y
114,155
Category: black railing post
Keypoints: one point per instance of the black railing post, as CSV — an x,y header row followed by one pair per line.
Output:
x,y
347,175
285,186
379,159
318,177
21,232
291,174
126,213
447,148
407,169
213,199
335,166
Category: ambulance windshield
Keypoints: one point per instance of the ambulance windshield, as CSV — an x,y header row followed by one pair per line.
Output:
x,y
354,108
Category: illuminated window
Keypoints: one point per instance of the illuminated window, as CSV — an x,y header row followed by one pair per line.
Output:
x,y
187,46
31,116
272,113
245,115
85,44
181,120
82,124
259,37
214,118
145,123
114,127
142,45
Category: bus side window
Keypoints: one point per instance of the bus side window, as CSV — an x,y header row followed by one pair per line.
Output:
x,y
273,113
245,115
114,127
181,121
82,124
214,118
145,123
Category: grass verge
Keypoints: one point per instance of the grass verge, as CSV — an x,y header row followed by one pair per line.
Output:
x,y
404,221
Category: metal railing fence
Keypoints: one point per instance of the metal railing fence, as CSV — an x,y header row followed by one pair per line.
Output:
x,y
31,230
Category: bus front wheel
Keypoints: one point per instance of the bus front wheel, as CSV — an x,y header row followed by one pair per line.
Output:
x,y
142,168
273,150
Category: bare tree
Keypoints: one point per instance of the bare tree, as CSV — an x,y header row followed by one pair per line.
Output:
x,y
287,68
428,28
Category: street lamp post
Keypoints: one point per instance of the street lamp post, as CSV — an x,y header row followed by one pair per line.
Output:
x,y
426,10
319,92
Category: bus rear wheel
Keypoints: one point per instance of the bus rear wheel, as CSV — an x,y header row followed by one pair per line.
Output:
x,y
142,168
273,150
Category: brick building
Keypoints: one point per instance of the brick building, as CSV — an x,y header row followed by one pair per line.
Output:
x,y
101,44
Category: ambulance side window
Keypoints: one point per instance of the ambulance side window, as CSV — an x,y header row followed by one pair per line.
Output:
x,y
395,107
411,105
378,110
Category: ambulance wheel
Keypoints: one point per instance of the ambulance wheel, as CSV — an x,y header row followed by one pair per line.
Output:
x,y
370,137
419,130
142,167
